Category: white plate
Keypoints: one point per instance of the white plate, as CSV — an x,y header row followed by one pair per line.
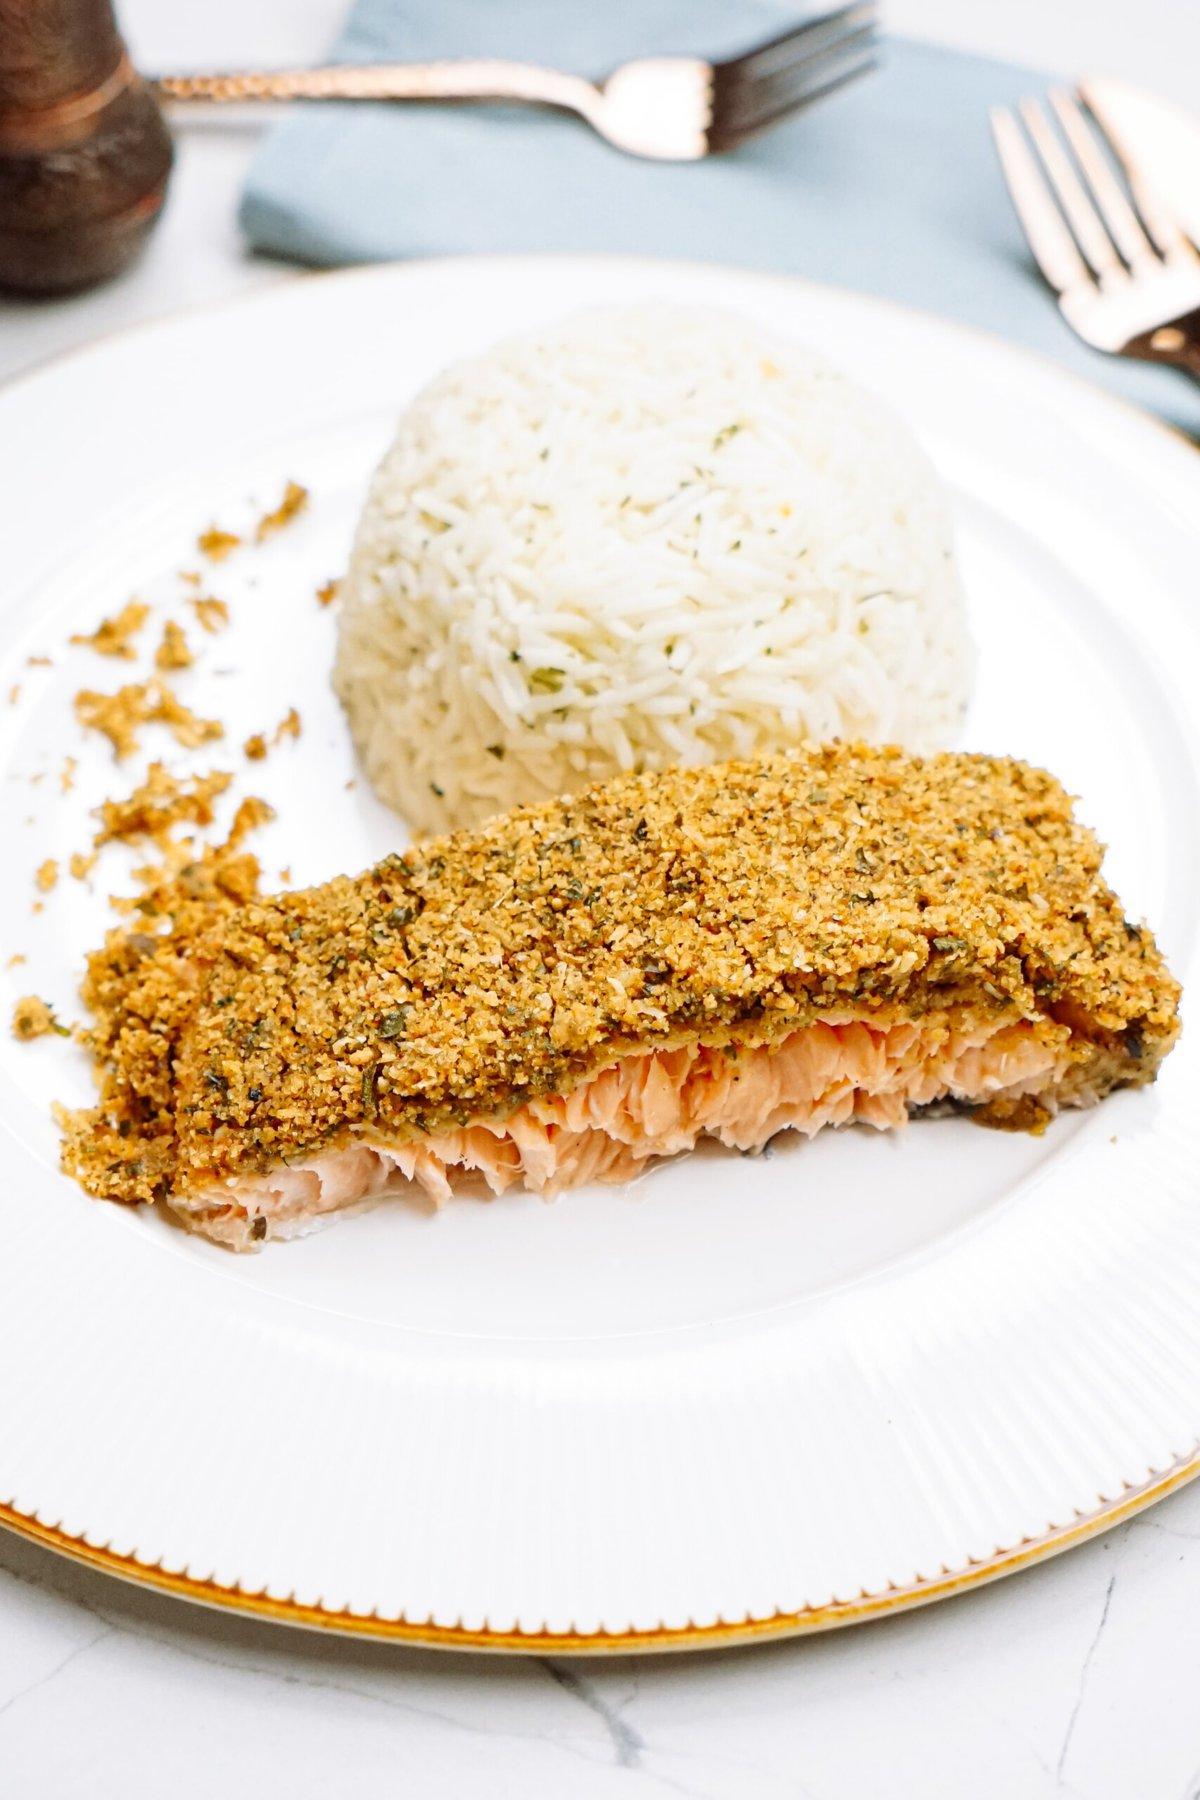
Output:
x,y
739,1395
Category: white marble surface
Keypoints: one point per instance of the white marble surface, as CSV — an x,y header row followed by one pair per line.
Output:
x,y
1076,1678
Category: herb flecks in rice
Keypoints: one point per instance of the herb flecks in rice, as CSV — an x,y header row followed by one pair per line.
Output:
x,y
579,499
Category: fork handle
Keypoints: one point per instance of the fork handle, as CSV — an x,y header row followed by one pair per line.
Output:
x,y
481,80
1177,344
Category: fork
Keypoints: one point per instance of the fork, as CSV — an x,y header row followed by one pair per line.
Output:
x,y
671,108
1127,277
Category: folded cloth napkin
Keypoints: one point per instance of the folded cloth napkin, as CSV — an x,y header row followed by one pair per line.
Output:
x,y
890,185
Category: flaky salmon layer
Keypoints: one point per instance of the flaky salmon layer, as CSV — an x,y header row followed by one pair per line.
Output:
x,y
451,1010
643,1107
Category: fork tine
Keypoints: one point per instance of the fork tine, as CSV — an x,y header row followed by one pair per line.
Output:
x,y
748,98
1081,215
1053,247
802,41
1110,202
743,111
1166,234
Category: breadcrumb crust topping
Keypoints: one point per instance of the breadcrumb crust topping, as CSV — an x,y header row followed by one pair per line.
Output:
x,y
733,903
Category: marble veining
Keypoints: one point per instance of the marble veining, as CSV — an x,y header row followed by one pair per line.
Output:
x,y
1073,1679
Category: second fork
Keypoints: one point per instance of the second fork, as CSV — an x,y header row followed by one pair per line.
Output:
x,y
1127,278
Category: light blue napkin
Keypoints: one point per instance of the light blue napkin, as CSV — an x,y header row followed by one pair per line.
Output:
x,y
890,186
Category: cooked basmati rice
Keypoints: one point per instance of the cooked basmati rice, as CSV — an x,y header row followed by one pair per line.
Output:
x,y
646,535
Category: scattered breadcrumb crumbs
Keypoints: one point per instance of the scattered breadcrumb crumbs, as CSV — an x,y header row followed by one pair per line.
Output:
x,y
47,876
193,885
217,544
112,636
256,746
186,727
39,662
192,577
198,883
119,716
14,693
32,1018
251,813
173,652
16,959
212,614
38,906
327,594
66,775
116,715
160,802
295,499
36,780
285,875
80,865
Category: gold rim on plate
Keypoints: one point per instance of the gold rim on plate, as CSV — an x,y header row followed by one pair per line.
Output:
x,y
236,1599
721,1634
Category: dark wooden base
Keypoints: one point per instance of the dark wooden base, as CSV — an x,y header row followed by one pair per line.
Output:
x,y
76,255
84,152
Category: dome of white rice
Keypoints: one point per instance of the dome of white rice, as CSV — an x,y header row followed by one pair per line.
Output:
x,y
642,536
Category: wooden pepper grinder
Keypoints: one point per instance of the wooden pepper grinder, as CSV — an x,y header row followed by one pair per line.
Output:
x,y
84,152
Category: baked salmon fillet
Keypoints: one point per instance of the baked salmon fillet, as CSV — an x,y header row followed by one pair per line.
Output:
x,y
846,934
